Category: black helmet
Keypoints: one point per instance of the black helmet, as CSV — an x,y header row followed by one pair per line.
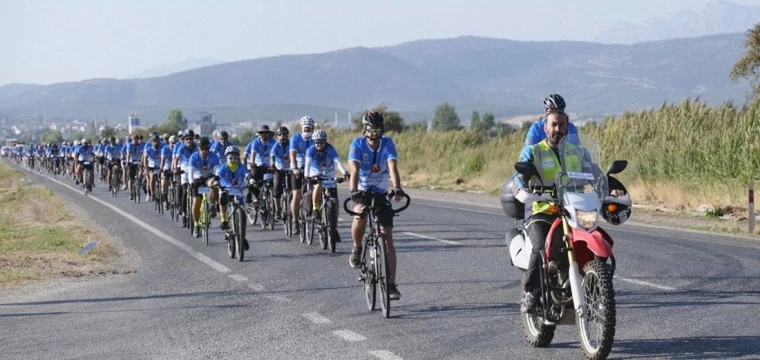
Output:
x,y
189,133
154,136
224,135
204,142
283,130
112,139
554,102
374,119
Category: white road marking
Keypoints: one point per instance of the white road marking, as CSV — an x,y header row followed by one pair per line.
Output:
x,y
349,335
196,254
645,283
316,318
238,277
451,242
256,287
385,355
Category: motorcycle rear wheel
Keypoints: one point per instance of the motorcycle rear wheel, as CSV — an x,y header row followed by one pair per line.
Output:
x,y
538,334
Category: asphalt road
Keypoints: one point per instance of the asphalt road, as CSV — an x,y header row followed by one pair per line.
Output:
x,y
680,295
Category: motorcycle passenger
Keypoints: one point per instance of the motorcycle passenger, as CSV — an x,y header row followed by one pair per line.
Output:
x,y
321,160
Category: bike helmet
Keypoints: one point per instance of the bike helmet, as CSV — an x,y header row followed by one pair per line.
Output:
x,y
617,210
155,136
118,141
172,139
231,150
554,102
85,141
373,119
112,139
224,135
189,133
165,136
306,121
76,143
319,135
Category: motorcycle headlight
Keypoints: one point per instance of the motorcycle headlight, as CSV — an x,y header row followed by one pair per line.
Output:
x,y
586,219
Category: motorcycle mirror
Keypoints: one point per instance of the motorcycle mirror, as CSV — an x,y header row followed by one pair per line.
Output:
x,y
617,167
527,169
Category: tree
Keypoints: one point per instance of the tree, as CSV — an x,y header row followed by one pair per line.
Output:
x,y
393,120
446,118
173,123
243,137
475,121
52,136
748,67
489,121
108,131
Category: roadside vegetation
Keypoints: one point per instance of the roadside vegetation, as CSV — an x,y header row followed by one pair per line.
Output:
x,y
39,238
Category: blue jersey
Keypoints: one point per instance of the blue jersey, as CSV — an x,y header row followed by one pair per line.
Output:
x,y
184,153
536,133
281,156
153,156
218,148
166,153
200,167
299,144
85,153
373,165
134,151
263,151
113,152
234,181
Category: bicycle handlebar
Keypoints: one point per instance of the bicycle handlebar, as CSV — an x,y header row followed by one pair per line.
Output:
x,y
367,208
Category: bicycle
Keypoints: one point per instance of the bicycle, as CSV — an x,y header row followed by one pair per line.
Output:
x,y
115,178
285,199
323,219
205,216
134,189
157,203
172,195
265,205
374,262
86,184
235,235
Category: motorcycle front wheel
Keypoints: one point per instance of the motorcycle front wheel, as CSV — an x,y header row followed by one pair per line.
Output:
x,y
597,325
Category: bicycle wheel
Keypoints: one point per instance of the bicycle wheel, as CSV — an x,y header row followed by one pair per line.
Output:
x,y
310,236
205,220
231,234
302,227
189,212
170,198
368,273
85,176
322,229
270,209
331,229
381,268
240,234
286,224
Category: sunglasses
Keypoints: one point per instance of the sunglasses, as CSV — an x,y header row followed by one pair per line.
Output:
x,y
372,130
233,158
319,142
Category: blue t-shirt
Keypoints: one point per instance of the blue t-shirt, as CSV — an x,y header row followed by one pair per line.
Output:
x,y
234,181
166,153
374,175
536,133
218,148
203,167
113,151
322,163
85,154
154,156
184,153
281,156
263,151
299,144
134,151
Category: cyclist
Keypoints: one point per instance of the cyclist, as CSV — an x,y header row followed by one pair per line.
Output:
x,y
231,175
113,155
321,160
202,172
259,151
166,166
151,162
372,161
85,153
220,146
180,164
298,145
55,153
133,153
281,162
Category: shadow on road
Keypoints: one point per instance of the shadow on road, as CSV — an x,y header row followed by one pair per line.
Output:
x,y
706,347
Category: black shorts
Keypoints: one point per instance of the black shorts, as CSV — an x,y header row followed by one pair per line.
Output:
x,y
385,211
297,181
101,160
282,180
88,167
133,170
113,162
199,183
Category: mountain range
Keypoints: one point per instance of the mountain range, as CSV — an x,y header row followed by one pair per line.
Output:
x,y
504,76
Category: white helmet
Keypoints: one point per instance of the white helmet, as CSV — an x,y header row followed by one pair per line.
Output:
x,y
306,121
319,135
76,142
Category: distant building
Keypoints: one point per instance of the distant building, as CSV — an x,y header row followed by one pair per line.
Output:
x,y
133,122
205,126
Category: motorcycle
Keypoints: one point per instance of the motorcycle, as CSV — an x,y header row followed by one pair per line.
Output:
x,y
577,264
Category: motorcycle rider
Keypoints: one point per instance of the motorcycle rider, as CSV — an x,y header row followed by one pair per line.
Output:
x,y
536,132
538,224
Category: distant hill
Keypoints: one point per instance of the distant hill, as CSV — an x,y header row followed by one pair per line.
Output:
x,y
717,18
10,90
185,65
505,76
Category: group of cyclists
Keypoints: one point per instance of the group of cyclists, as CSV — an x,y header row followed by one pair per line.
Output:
x,y
305,163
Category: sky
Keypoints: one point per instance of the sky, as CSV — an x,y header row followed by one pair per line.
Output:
x,y
45,42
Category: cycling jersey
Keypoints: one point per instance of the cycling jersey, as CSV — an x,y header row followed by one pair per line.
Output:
x,y
262,150
218,148
323,163
234,180
200,168
154,156
134,152
113,152
184,153
299,144
281,156
85,153
373,164
166,153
